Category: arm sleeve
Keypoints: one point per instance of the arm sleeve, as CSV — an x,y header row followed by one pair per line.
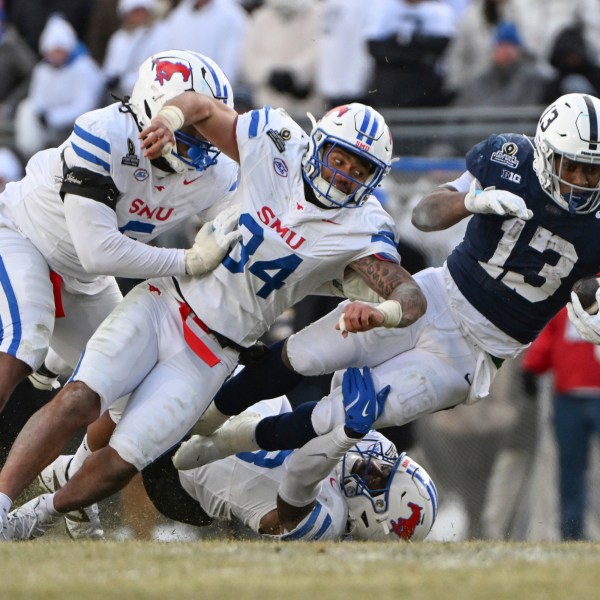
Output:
x,y
308,466
104,250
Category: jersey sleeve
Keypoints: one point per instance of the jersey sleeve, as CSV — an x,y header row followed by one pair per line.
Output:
x,y
317,525
266,128
87,160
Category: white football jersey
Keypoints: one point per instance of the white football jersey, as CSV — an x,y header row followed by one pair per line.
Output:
x,y
289,246
148,202
245,487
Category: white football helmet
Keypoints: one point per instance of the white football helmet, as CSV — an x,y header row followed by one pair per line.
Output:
x,y
168,74
568,128
356,128
404,508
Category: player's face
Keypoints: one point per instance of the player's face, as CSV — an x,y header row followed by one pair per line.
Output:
x,y
375,473
582,175
346,169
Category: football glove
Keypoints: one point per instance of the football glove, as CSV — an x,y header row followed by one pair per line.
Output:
x,y
213,241
496,202
362,404
587,325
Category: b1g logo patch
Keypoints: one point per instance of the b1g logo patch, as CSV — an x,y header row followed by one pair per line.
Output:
x,y
510,176
507,156
141,174
280,167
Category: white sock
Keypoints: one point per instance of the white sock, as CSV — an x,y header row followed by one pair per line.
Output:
x,y
48,501
5,502
78,458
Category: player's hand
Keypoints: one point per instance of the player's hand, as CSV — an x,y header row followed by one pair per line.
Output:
x,y
587,325
225,227
362,404
212,242
496,202
358,316
158,139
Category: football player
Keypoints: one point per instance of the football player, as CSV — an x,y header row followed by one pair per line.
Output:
x,y
350,482
307,216
85,212
534,224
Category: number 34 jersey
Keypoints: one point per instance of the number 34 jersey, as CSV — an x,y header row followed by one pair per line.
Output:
x,y
289,246
518,274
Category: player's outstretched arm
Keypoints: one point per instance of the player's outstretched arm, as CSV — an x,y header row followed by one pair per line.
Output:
x,y
213,119
403,300
440,209
309,465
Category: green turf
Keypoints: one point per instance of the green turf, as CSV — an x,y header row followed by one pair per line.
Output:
x,y
248,570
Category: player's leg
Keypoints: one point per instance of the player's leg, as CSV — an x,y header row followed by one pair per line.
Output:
x,y
117,358
315,350
26,310
572,436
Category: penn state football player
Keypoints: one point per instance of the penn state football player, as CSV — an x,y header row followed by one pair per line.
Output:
x,y
534,224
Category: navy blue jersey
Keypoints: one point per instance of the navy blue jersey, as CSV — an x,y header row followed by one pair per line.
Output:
x,y
516,273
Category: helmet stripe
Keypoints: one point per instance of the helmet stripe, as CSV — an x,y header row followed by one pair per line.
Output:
x,y
593,120
365,124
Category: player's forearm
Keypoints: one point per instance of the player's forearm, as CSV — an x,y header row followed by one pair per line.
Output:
x,y
309,465
440,209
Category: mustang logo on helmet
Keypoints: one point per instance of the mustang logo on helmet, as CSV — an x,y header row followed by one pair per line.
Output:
x,y
405,528
165,69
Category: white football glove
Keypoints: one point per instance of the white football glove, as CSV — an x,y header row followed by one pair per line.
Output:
x,y
213,241
587,325
496,202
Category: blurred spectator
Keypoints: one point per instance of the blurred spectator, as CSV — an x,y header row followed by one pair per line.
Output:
x,y
468,54
96,38
575,366
575,69
538,22
279,55
16,62
216,28
30,17
66,83
11,168
345,65
129,46
407,39
513,78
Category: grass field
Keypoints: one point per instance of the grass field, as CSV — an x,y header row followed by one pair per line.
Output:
x,y
248,570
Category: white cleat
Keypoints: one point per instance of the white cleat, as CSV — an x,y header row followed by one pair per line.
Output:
x,y
31,520
236,435
81,523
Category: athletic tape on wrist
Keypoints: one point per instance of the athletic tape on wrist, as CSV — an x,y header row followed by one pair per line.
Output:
x,y
173,115
392,313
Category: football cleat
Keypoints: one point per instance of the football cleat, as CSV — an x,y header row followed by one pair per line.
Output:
x,y
236,435
31,520
81,523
